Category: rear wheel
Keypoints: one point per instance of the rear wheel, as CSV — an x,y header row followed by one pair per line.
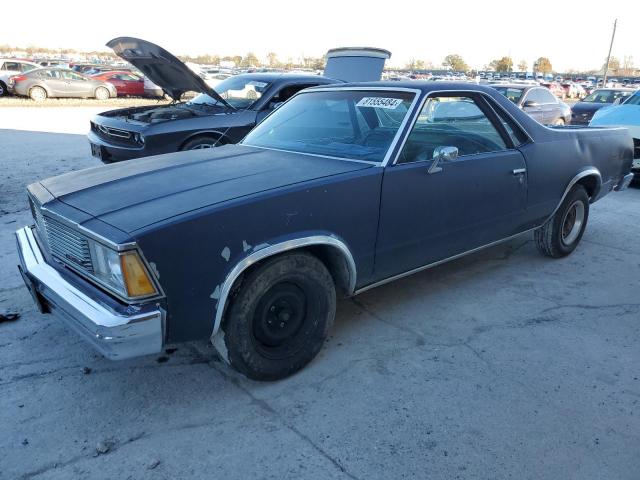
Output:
x,y
101,93
280,317
204,141
37,94
3,89
563,231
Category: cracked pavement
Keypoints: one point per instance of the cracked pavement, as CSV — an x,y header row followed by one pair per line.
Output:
x,y
503,364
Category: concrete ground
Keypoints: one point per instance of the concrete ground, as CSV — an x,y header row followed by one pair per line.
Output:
x,y
501,365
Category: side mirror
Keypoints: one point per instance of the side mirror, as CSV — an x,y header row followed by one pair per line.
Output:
x,y
530,104
442,154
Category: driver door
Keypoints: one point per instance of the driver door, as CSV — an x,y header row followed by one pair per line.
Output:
x,y
432,212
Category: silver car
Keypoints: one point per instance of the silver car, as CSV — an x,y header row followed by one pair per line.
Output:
x,y
44,83
10,67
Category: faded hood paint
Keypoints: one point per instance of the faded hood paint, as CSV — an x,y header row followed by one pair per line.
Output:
x,y
161,67
619,116
133,195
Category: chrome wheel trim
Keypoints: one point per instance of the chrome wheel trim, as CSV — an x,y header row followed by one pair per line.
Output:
x,y
102,93
572,223
38,93
200,146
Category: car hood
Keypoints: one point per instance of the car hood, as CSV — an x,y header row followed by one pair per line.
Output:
x,y
586,107
621,116
162,68
132,195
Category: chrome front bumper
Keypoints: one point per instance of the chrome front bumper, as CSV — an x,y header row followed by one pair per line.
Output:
x,y
624,183
113,334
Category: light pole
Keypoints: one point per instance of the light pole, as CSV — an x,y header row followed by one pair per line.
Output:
x,y
606,67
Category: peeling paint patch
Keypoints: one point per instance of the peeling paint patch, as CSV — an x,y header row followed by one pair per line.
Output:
x,y
260,246
226,253
245,246
155,269
216,293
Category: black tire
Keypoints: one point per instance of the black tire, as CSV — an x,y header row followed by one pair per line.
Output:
x,y
203,141
3,89
280,317
560,235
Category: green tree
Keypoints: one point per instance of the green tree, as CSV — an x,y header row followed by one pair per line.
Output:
x,y
455,63
543,65
504,64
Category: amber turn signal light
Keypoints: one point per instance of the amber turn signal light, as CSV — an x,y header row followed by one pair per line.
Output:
x,y
136,278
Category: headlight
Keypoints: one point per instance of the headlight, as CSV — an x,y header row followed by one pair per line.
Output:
x,y
123,272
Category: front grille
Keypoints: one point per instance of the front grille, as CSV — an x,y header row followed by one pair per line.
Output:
x,y
67,245
116,135
63,243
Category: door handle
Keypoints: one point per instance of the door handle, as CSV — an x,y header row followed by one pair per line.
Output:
x,y
519,171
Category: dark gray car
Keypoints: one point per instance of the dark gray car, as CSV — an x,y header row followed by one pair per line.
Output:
x,y
43,83
538,102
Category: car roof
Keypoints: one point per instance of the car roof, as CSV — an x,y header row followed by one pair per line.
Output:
x,y
276,77
514,85
18,60
423,86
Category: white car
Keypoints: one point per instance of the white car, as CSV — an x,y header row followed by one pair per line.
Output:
x,y
10,67
625,114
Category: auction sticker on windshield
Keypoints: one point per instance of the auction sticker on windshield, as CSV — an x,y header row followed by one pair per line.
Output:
x,y
380,102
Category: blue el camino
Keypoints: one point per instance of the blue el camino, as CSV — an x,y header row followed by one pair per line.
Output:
x,y
341,189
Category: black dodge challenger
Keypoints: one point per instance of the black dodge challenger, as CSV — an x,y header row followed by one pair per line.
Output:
x,y
215,117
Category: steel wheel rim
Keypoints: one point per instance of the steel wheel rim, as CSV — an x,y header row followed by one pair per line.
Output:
x,y
200,146
38,94
572,222
102,94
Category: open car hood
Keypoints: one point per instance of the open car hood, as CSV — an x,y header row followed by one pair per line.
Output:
x,y
162,68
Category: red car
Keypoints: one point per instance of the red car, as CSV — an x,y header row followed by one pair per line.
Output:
x,y
556,89
126,83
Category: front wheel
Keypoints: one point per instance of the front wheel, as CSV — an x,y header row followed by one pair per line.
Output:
x,y
280,317
199,143
560,235
3,89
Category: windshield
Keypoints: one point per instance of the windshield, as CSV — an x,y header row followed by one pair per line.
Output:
x,y
511,93
351,124
633,100
606,96
240,92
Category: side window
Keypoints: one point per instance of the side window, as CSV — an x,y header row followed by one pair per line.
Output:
x,y
285,94
12,66
451,122
546,96
517,136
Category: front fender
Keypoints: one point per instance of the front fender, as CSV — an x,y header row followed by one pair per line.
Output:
x,y
260,252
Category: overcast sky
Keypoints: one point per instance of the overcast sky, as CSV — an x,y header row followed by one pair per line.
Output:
x,y
573,34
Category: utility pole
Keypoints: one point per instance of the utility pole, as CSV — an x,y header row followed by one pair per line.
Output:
x,y
606,67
